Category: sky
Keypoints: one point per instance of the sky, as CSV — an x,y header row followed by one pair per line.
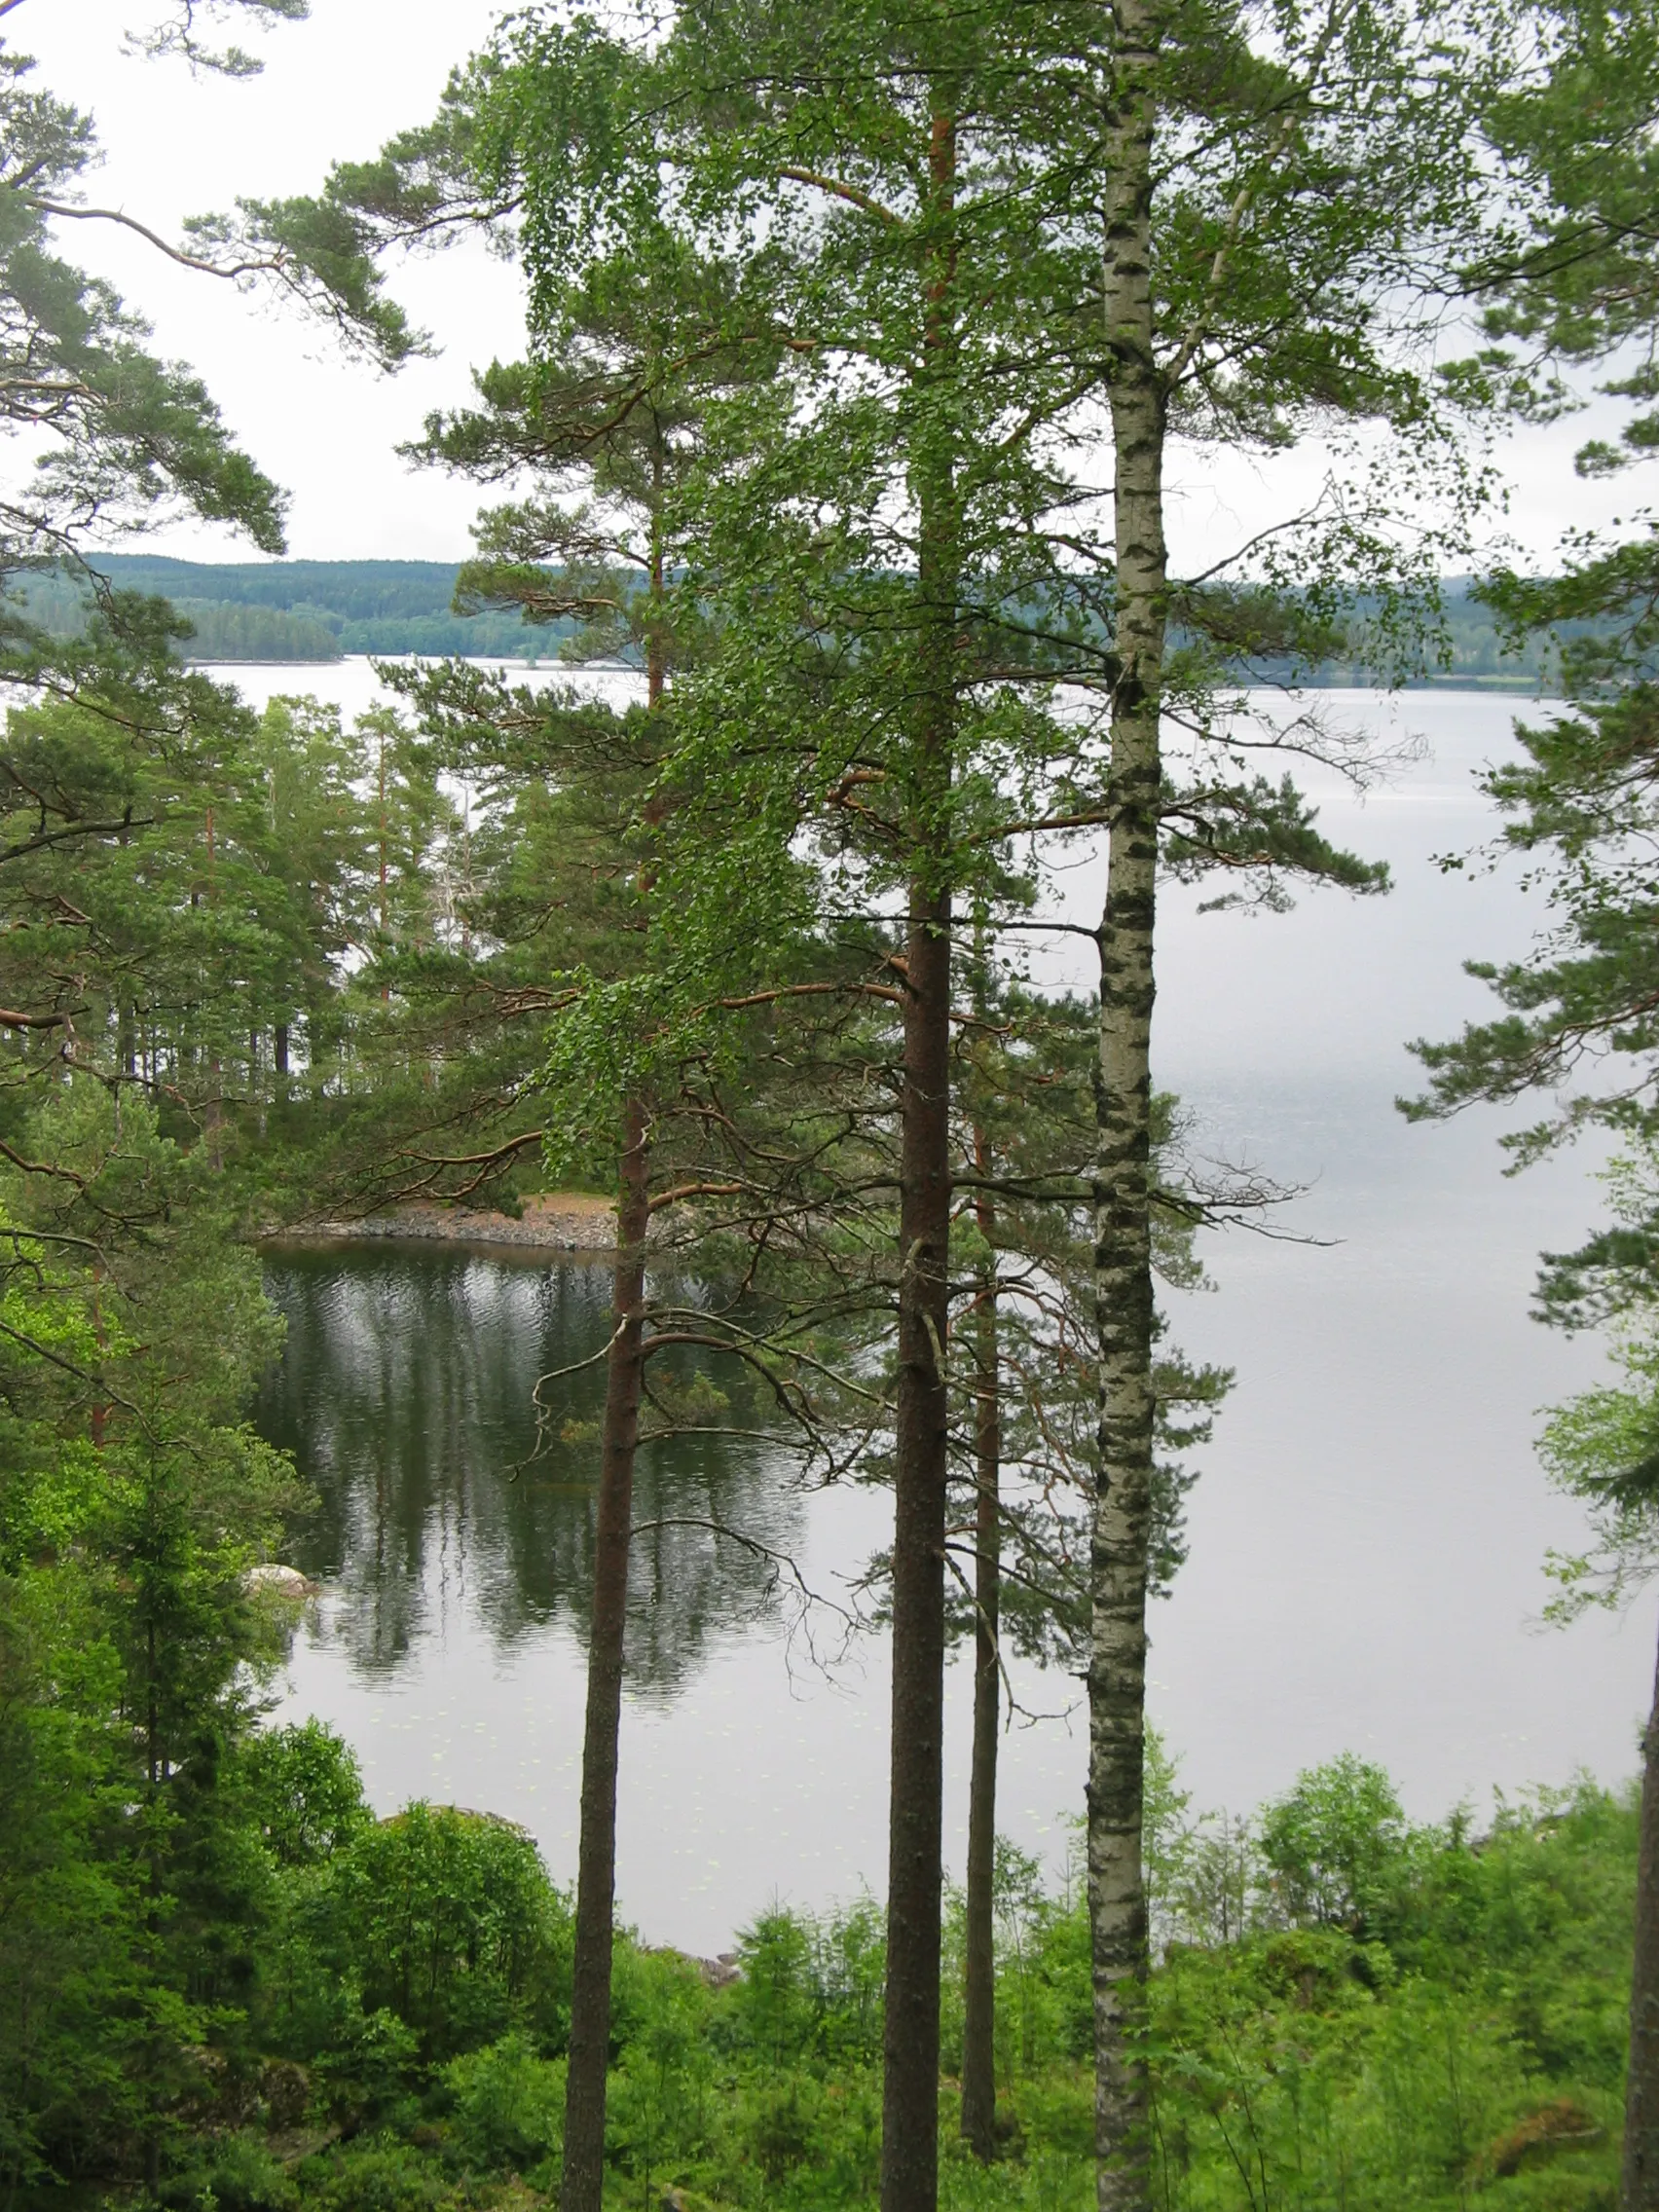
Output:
x,y
326,427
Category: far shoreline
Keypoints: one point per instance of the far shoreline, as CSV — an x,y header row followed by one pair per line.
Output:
x,y
571,1222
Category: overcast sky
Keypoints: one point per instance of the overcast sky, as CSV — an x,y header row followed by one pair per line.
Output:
x,y
326,428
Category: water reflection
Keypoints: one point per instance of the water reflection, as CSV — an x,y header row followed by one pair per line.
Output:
x,y
404,1393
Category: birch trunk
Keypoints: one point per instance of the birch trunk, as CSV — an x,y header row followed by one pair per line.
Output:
x,y
1638,2182
582,2185
1117,1673
909,2103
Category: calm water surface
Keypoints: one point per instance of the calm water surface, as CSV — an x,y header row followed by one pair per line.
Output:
x,y
1366,1537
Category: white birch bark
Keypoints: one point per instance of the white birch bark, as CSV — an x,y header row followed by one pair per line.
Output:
x,y
1117,1677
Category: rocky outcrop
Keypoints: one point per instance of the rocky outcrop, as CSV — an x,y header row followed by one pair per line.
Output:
x,y
280,1582
559,1221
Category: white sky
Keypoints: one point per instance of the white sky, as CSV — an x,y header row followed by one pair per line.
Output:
x,y
336,88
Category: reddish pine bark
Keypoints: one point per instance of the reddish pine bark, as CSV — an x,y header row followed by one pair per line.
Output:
x,y
1638,2186
582,2187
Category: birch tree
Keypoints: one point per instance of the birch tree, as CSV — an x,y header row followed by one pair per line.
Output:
x,y
1030,1443
1246,294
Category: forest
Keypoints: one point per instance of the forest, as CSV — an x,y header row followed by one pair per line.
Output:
x,y
831,494
312,610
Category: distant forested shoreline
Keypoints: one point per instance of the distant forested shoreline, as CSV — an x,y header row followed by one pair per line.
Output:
x,y
322,610
303,611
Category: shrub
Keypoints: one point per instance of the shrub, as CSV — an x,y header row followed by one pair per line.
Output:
x,y
241,2177
453,1926
305,1792
508,2105
377,2176
1334,1846
367,2064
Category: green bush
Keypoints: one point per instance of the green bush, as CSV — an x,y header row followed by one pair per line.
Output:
x,y
1474,2042
241,2176
450,1923
1349,2011
305,1792
366,2063
811,1986
375,2176
1334,1849
507,2104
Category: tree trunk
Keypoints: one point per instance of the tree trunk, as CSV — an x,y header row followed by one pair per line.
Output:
x,y
213,1115
909,2102
909,2143
1638,2183
1116,1673
980,2008
582,2187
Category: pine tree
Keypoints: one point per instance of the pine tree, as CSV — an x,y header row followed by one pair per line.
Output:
x,y
1575,281
1025,1132
617,406
1603,1449
900,563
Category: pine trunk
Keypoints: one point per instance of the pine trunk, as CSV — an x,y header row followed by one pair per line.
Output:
x,y
1116,1673
1639,2189
909,2103
213,1115
979,2007
909,2142
582,2187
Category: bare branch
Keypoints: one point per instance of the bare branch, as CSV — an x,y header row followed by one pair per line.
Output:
x,y
267,265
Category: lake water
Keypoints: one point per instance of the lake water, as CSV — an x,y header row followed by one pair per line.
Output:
x,y
1366,1538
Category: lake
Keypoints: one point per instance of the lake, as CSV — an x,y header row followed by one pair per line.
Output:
x,y
1366,1538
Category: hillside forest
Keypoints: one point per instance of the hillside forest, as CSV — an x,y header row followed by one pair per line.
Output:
x,y
860,348
319,610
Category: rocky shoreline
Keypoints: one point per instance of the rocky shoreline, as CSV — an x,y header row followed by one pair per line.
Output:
x,y
557,1221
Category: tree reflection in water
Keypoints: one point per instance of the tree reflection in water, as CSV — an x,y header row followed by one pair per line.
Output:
x,y
404,1393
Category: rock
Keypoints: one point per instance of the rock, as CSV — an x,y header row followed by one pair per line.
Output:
x,y
714,1974
286,2091
280,1581
552,1222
